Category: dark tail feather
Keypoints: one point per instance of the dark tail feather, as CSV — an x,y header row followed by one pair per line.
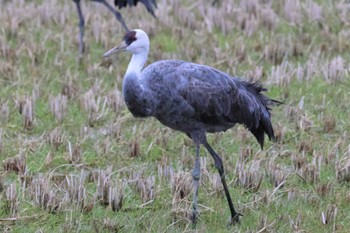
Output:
x,y
259,134
264,125
275,102
150,6
262,116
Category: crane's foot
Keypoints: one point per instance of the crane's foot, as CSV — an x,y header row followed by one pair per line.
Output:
x,y
194,217
236,219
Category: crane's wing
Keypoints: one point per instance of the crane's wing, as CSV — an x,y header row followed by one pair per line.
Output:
x,y
218,99
149,4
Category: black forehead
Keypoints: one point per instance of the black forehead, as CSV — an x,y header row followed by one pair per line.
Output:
x,y
130,37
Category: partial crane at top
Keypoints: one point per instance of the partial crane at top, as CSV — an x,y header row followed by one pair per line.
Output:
x,y
149,4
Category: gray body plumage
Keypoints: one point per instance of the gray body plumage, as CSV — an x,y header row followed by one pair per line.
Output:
x,y
190,97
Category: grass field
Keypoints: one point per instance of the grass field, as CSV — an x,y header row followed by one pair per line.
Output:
x,y
74,159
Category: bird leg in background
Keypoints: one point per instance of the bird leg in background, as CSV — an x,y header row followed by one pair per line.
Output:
x,y
81,28
195,176
116,13
219,165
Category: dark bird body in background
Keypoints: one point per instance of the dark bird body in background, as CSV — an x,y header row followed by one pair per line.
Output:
x,y
194,99
149,4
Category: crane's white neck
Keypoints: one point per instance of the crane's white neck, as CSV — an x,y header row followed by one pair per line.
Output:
x,y
132,87
137,62
137,97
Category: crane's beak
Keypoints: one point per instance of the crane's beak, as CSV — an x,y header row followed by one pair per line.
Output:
x,y
119,48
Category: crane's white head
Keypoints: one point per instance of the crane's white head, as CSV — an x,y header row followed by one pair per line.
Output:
x,y
135,41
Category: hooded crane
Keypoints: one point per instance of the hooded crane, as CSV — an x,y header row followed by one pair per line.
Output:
x,y
194,99
149,4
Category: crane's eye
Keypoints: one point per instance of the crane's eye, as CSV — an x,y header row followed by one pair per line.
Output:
x,y
130,37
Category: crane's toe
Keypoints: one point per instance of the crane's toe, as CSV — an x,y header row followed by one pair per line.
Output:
x,y
236,219
194,217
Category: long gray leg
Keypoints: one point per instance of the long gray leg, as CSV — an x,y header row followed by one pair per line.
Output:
x,y
218,164
117,15
81,29
195,176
